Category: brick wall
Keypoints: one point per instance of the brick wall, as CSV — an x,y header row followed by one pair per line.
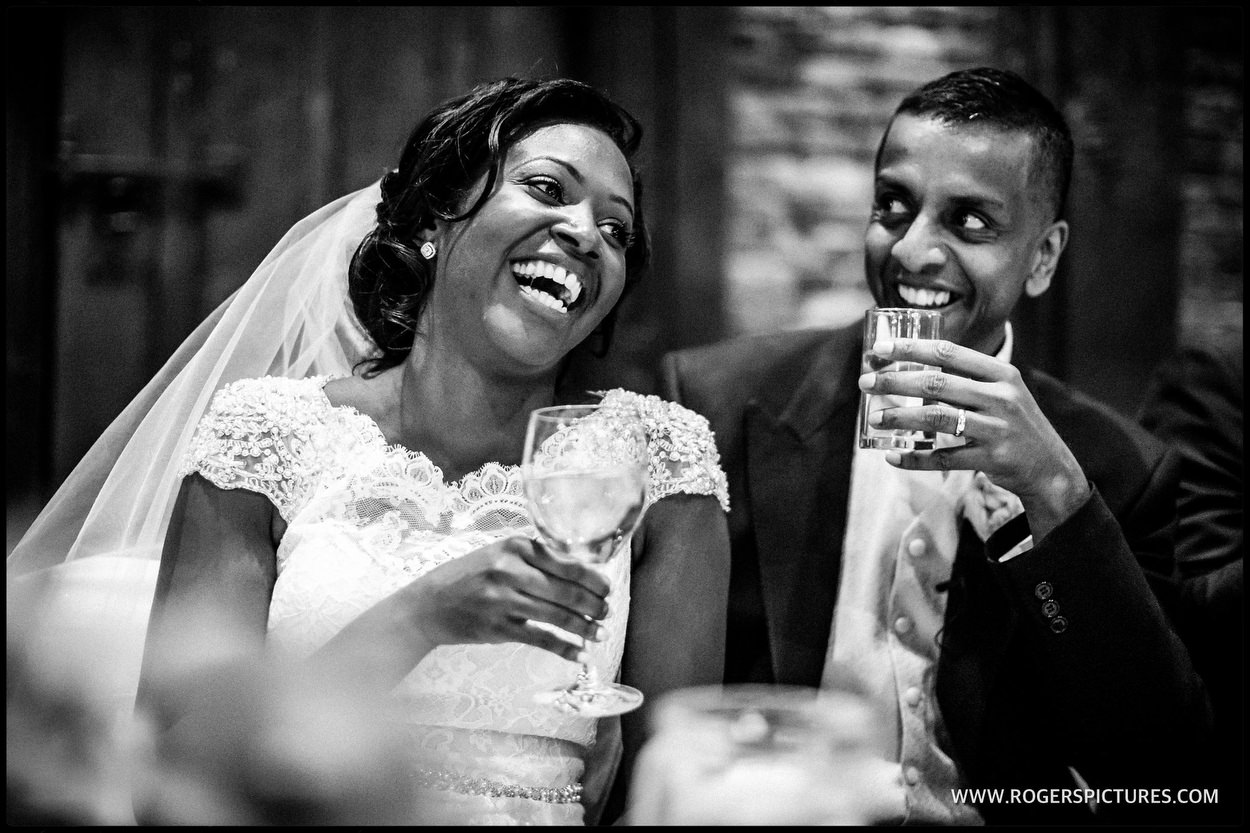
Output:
x,y
810,92
1212,188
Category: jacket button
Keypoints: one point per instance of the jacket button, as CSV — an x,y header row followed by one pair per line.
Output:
x,y
1059,624
1050,609
1044,590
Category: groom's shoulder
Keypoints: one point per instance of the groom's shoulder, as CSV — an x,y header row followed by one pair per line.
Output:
x,y
756,354
1098,434
736,367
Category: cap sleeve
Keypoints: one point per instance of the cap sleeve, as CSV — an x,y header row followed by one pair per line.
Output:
x,y
256,436
684,459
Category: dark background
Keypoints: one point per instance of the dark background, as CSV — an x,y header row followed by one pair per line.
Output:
x,y
155,154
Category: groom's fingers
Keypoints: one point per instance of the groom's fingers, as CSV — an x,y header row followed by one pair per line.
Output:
x,y
944,354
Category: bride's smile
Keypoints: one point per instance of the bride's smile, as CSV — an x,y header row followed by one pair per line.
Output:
x,y
549,284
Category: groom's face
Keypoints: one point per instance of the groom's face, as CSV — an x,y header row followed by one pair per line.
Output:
x,y
955,225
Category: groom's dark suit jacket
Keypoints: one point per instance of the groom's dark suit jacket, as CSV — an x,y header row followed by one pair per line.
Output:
x,y
1109,692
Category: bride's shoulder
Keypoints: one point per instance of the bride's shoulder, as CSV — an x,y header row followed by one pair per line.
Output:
x,y
278,399
373,396
352,392
369,395
684,455
261,389
661,415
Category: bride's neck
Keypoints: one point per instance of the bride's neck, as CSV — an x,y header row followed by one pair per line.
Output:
x,y
460,417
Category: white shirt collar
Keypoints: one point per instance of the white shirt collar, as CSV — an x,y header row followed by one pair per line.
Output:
x,y
1004,354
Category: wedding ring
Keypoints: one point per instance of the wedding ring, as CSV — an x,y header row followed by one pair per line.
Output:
x,y
961,423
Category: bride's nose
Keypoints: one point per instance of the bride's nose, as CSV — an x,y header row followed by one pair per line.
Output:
x,y
576,231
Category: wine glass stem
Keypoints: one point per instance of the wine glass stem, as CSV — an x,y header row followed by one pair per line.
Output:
x,y
586,677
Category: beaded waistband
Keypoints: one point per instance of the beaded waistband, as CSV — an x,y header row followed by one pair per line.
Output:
x,y
441,779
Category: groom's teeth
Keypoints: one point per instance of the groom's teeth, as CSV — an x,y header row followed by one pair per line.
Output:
x,y
924,297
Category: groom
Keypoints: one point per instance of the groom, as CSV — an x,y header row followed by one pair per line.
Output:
x,y
996,597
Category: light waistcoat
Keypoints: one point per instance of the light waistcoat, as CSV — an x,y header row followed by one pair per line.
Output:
x,y
901,537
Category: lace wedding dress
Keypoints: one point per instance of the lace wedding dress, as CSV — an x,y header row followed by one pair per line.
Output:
x,y
365,518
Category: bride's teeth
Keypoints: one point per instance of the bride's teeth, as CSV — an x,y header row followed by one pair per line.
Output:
x,y
556,274
544,299
564,277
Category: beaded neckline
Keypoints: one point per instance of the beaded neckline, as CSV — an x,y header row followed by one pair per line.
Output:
x,y
409,454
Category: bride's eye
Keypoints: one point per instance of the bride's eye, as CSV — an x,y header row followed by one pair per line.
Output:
x,y
547,187
619,233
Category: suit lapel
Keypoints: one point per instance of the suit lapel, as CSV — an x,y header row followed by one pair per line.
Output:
x,y
799,438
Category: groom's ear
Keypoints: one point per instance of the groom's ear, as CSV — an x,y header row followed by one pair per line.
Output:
x,y
1046,258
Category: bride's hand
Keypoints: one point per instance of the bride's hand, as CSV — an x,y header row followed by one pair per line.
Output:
x,y
497,593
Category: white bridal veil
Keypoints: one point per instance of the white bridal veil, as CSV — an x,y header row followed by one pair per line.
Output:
x,y
93,552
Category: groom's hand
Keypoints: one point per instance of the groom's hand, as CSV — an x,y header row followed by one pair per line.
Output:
x,y
1005,433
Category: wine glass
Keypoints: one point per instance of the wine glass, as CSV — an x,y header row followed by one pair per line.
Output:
x,y
765,755
585,478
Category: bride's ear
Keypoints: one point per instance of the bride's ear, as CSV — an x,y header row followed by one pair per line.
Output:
x,y
427,240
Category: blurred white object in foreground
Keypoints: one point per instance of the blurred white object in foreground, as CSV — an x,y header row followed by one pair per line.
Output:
x,y
763,755
74,644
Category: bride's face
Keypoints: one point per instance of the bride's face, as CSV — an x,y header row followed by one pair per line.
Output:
x,y
534,271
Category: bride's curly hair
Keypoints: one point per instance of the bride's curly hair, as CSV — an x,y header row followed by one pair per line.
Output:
x,y
388,280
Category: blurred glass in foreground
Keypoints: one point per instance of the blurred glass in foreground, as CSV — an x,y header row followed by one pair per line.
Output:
x,y
227,734
762,755
73,644
262,742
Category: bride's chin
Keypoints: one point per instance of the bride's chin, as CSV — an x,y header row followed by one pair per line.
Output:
x,y
535,344
528,357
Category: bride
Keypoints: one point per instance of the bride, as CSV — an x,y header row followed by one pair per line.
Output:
x,y
333,461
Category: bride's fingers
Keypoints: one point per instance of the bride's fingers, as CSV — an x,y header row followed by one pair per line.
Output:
x,y
566,594
546,586
536,555
530,633
575,623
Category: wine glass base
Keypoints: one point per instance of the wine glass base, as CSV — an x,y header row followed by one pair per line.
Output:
x,y
602,700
